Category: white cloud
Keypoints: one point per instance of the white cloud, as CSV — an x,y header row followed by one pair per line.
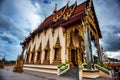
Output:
x,y
28,14
10,51
37,5
118,34
10,36
113,54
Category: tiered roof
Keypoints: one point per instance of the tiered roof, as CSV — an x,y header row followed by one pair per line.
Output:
x,y
63,17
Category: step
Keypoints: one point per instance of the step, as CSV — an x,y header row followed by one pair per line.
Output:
x,y
41,68
92,74
74,73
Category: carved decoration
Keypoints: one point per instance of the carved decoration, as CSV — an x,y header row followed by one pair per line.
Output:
x,y
47,46
57,45
61,14
86,24
71,46
47,54
57,53
40,47
80,49
39,52
67,15
89,19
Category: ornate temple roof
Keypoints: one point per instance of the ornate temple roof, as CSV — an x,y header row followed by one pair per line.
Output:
x,y
63,17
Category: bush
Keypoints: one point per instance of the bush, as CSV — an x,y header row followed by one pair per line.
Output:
x,y
62,64
107,67
65,63
103,65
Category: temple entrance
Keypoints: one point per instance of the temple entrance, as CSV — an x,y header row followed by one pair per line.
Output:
x,y
74,57
75,48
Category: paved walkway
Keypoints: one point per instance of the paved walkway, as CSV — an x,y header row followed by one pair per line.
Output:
x,y
7,74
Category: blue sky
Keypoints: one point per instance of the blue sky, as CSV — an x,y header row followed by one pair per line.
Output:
x,y
20,17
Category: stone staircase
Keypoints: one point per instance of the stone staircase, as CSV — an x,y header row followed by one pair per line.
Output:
x,y
91,74
71,73
41,68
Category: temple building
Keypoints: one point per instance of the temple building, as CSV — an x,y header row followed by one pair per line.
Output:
x,y
66,35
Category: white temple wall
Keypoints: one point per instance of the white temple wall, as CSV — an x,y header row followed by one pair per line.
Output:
x,y
43,38
36,47
62,42
50,38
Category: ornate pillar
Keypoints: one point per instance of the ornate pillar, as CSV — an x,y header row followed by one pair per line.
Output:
x,y
87,39
98,49
88,54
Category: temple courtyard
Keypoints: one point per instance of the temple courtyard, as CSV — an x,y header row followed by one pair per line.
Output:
x,y
8,74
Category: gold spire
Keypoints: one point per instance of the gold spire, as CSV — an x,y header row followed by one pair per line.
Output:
x,y
55,10
89,3
68,3
76,2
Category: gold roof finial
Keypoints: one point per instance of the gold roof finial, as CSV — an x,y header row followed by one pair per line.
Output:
x,y
89,3
68,3
75,2
55,10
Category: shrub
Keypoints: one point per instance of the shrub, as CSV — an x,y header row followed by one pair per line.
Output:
x,y
60,65
103,65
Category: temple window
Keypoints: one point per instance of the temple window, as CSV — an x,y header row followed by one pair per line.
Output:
x,y
27,57
76,32
45,32
56,53
46,54
38,55
53,31
33,39
32,57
